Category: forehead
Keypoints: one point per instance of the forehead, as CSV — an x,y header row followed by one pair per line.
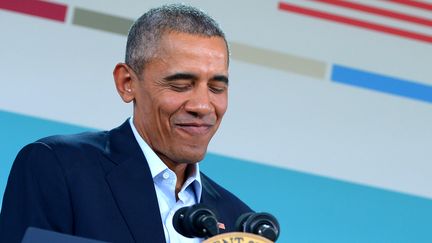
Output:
x,y
177,43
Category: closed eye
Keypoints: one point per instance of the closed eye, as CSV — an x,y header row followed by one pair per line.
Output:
x,y
218,84
218,87
180,82
180,87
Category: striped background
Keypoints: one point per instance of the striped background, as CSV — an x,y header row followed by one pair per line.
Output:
x,y
331,119
304,66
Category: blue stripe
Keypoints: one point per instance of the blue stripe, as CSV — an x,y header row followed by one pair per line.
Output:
x,y
18,130
318,209
382,83
310,208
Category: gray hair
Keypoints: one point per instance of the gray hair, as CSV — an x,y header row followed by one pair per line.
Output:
x,y
145,34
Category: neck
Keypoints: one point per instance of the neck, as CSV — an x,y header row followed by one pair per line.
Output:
x,y
182,171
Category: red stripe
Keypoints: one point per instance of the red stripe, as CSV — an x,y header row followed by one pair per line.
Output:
x,y
379,11
413,3
47,10
355,22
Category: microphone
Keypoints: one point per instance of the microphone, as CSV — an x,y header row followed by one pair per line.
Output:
x,y
263,224
195,221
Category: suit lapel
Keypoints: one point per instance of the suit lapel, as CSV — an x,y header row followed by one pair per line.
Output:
x,y
209,195
132,186
211,198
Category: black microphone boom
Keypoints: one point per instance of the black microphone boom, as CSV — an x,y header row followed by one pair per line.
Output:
x,y
196,221
263,224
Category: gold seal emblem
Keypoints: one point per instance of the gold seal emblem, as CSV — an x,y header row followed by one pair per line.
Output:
x,y
237,237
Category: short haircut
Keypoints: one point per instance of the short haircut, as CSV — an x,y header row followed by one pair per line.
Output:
x,y
145,34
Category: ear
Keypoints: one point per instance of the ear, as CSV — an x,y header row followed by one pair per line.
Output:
x,y
123,81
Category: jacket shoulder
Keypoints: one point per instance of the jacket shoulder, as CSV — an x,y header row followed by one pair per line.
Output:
x,y
225,197
83,140
67,151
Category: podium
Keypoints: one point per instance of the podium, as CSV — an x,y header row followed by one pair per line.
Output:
x,y
237,237
36,235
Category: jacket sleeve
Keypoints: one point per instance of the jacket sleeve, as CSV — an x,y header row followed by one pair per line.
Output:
x,y
36,195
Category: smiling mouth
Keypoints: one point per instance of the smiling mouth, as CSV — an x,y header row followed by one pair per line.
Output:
x,y
194,129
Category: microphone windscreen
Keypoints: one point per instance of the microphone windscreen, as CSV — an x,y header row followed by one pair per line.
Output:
x,y
195,221
263,224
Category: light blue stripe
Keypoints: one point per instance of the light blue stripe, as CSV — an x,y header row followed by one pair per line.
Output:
x,y
382,83
18,130
310,208
324,210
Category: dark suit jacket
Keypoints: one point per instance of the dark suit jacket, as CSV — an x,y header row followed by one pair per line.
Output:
x,y
95,185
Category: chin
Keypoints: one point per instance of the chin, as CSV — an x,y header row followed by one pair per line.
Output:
x,y
192,157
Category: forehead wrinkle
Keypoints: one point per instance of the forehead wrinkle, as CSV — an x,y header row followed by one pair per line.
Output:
x,y
185,53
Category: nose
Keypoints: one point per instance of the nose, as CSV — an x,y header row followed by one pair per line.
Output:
x,y
199,103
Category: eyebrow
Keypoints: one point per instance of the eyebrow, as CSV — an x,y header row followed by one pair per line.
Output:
x,y
179,76
190,76
221,78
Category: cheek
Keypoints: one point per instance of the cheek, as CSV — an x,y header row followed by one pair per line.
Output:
x,y
221,105
169,103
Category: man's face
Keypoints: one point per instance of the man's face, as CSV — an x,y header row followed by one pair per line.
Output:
x,y
182,95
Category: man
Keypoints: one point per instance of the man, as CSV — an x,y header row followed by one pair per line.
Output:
x,y
125,185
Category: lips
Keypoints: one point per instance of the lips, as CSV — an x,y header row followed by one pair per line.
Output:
x,y
194,129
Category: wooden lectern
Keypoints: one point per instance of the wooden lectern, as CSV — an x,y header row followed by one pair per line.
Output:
x,y
237,237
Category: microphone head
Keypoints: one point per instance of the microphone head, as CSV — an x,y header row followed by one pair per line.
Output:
x,y
195,221
263,224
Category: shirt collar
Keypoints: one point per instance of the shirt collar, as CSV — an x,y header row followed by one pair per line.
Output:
x,y
157,166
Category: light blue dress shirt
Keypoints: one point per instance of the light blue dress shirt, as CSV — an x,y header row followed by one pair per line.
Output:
x,y
165,181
